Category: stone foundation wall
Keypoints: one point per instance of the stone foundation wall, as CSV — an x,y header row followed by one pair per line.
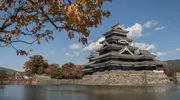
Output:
x,y
115,77
178,77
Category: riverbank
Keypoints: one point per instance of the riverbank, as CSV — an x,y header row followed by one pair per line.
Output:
x,y
114,77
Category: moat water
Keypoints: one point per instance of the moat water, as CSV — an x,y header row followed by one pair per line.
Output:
x,y
78,92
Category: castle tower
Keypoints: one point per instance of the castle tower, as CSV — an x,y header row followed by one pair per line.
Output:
x,y
116,53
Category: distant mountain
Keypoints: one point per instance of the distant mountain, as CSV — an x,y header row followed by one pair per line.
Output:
x,y
2,68
9,71
173,63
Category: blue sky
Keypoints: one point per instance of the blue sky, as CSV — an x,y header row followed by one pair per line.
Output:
x,y
154,24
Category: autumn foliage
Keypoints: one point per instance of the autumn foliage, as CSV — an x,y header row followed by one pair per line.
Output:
x,y
38,65
68,71
22,19
50,68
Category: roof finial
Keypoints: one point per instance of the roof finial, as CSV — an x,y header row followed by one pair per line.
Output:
x,y
118,23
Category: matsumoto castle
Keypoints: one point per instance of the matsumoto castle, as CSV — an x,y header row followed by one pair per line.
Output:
x,y
116,53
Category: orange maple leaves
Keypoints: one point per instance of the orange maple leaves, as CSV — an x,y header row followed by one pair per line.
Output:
x,y
73,16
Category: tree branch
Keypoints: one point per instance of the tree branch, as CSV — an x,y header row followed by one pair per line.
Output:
x,y
14,47
1,40
69,2
48,18
10,42
23,42
27,33
4,31
5,24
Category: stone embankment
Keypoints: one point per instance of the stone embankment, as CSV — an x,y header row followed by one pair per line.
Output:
x,y
115,77
178,77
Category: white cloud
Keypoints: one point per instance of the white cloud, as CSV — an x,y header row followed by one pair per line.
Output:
x,y
151,23
76,53
159,28
160,53
75,46
94,45
67,54
167,53
144,46
177,50
135,31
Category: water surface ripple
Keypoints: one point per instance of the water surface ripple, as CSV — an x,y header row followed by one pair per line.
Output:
x,y
78,92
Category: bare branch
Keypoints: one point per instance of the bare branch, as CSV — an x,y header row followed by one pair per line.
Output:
x,y
14,47
27,33
69,2
23,41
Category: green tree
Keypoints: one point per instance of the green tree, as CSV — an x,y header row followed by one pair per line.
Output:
x,y
29,18
57,73
3,73
68,71
41,70
35,65
68,65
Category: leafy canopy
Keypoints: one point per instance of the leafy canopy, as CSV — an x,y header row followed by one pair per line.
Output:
x,y
68,71
36,65
29,18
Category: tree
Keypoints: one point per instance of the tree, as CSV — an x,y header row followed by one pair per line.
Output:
x,y
68,65
3,73
35,65
68,71
29,18
51,68
77,71
57,73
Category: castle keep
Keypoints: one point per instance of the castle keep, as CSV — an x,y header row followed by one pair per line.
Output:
x,y
116,53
